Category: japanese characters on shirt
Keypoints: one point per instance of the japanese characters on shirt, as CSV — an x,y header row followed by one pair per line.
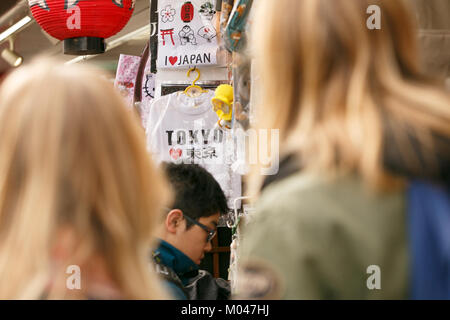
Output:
x,y
197,146
187,36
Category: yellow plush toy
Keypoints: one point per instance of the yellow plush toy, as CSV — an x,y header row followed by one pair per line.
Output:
x,y
223,105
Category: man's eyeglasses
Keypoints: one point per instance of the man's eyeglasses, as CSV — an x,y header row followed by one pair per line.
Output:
x,y
211,232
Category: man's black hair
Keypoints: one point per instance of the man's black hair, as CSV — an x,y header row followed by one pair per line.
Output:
x,y
197,193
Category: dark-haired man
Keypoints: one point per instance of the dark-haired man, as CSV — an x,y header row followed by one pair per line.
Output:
x,y
189,226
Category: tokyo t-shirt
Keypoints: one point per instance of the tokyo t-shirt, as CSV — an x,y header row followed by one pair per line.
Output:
x,y
182,129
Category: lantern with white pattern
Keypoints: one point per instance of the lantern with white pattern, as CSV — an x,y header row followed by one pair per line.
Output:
x,y
83,25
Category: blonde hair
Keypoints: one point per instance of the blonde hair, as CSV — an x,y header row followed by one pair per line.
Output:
x,y
72,156
331,85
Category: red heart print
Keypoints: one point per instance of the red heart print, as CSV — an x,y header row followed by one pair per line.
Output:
x,y
173,60
175,154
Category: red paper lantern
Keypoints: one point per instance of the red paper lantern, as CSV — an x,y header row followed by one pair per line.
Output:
x,y
187,12
83,25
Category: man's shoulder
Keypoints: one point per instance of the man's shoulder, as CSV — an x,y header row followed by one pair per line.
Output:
x,y
302,209
175,290
170,278
307,196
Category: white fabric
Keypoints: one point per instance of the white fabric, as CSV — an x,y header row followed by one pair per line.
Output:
x,y
182,129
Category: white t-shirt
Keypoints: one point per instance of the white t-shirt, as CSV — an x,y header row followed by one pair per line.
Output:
x,y
182,129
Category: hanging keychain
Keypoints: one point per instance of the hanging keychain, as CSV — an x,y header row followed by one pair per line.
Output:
x,y
223,105
235,39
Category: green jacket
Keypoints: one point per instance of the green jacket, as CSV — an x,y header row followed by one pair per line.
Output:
x,y
311,239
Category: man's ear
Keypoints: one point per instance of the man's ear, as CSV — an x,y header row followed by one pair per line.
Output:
x,y
174,220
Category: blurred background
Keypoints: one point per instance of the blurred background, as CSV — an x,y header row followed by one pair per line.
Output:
x,y
433,17
32,40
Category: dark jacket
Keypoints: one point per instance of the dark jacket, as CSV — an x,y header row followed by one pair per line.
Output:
x,y
184,279
176,261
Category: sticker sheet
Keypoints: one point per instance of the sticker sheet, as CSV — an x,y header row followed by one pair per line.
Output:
x,y
186,34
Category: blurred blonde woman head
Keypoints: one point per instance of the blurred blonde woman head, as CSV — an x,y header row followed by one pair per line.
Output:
x,y
334,88
76,186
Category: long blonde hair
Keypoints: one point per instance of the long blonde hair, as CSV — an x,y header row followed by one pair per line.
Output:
x,y
331,85
72,156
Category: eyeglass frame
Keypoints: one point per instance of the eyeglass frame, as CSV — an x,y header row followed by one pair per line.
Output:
x,y
211,232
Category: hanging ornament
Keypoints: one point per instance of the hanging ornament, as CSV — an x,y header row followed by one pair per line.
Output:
x,y
82,25
187,12
223,105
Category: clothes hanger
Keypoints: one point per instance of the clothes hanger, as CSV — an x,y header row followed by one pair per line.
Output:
x,y
194,90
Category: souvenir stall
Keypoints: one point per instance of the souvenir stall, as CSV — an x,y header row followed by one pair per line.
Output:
x,y
190,86
192,94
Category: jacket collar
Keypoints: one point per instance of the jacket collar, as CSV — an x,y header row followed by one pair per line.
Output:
x,y
175,259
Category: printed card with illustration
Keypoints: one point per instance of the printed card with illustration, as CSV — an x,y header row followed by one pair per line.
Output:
x,y
125,82
186,34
